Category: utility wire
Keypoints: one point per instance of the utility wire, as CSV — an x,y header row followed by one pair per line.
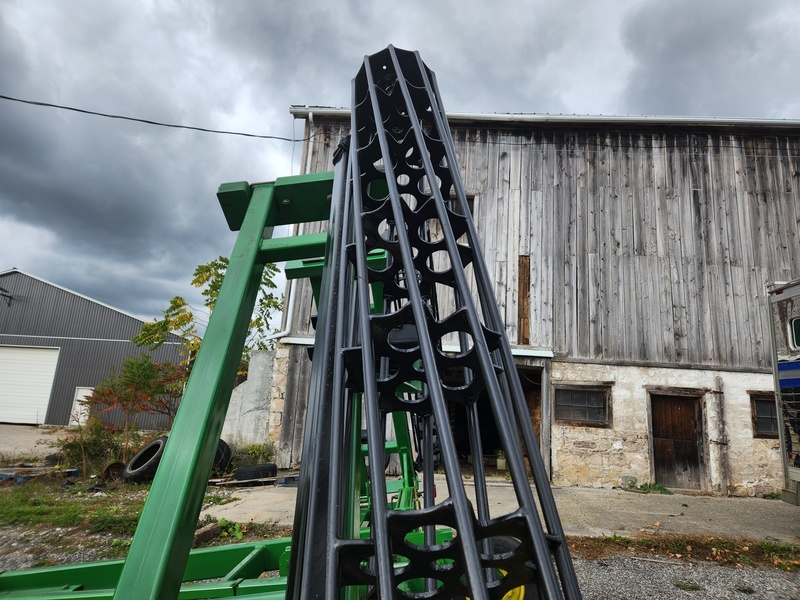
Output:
x,y
158,123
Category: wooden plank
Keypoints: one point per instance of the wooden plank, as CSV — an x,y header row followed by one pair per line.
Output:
x,y
524,304
790,188
577,194
663,291
536,252
680,294
513,231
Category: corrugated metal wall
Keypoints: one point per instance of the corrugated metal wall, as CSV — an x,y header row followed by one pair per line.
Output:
x,y
92,337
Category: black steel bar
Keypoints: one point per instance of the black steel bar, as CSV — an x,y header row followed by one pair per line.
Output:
x,y
396,197
517,395
508,432
311,514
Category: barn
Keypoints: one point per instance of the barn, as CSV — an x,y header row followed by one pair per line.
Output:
x,y
631,258
56,345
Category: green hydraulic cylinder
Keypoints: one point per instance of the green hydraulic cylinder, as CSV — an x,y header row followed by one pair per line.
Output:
x,y
158,555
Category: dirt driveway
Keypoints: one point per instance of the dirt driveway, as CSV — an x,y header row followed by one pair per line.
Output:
x,y
19,442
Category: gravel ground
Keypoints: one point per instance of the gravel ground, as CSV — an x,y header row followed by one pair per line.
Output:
x,y
622,577
614,577
27,547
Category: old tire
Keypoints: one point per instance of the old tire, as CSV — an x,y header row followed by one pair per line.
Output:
x,y
256,472
113,472
142,467
222,459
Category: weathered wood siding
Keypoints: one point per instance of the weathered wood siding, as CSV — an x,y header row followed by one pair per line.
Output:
x,y
642,246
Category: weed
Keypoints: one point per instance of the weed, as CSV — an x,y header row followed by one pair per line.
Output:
x,y
230,529
48,503
688,586
724,544
263,452
653,487
772,496
105,521
677,545
11,459
783,556
745,589
119,548
615,538
215,500
92,446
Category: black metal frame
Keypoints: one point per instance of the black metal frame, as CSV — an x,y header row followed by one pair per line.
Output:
x,y
395,186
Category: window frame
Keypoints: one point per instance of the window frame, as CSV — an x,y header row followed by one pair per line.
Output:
x,y
793,333
763,397
605,390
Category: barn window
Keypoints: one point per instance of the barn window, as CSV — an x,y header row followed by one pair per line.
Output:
x,y
765,415
583,405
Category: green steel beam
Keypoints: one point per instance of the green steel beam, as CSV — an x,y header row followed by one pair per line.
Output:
x,y
311,267
296,247
230,563
303,198
299,199
160,549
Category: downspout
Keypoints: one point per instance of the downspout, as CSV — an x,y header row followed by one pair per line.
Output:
x,y
309,141
288,296
289,314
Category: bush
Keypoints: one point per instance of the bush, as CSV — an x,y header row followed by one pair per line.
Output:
x,y
92,446
253,454
263,452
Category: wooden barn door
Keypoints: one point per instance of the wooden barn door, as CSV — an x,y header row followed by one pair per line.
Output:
x,y
677,441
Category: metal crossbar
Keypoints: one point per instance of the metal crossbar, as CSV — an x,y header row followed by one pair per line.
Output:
x,y
397,188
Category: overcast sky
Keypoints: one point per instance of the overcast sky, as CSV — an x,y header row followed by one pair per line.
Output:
x,y
123,212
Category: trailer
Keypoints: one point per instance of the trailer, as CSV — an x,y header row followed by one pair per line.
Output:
x,y
784,314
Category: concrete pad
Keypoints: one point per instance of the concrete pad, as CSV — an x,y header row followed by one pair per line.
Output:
x,y
583,511
27,441
260,504
596,512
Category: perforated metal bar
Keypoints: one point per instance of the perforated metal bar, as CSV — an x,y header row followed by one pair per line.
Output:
x,y
399,190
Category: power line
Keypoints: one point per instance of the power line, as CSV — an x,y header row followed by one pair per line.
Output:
x,y
158,123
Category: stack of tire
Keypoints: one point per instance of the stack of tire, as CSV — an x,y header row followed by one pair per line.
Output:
x,y
142,467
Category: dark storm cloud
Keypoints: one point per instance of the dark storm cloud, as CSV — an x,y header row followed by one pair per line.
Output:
x,y
123,212
736,58
476,50
131,209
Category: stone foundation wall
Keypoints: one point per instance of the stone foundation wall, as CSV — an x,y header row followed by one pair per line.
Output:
x,y
736,463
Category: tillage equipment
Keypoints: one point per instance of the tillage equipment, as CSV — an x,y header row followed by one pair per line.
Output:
x,y
407,332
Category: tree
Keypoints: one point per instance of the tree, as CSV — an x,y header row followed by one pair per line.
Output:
x,y
179,318
140,386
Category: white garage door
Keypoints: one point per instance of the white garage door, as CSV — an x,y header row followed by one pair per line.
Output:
x,y
26,379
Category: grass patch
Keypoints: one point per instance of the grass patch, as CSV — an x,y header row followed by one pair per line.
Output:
x,y
47,502
688,586
616,539
64,517
653,488
735,552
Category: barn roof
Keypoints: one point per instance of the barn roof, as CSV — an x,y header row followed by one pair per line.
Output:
x,y
73,292
308,112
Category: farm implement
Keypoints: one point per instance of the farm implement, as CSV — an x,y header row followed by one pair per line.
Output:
x,y
407,332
